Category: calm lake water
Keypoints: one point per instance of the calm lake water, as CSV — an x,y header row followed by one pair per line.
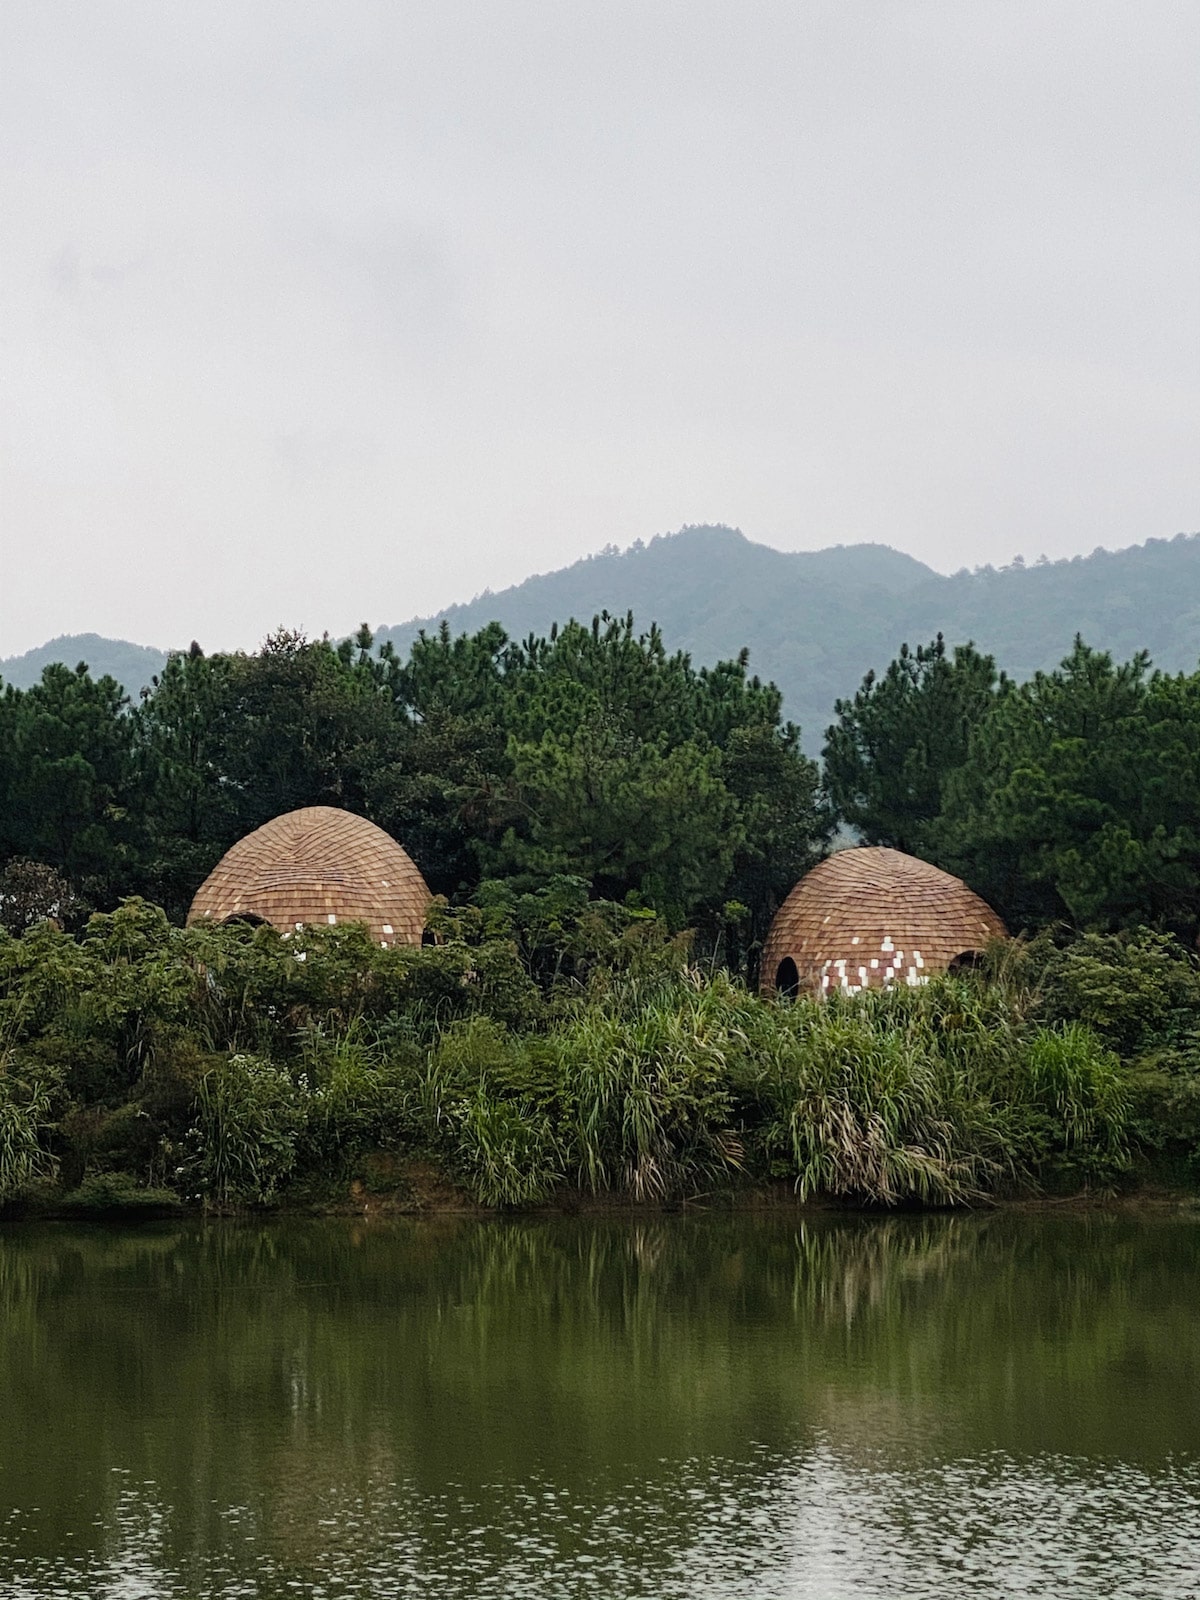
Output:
x,y
989,1406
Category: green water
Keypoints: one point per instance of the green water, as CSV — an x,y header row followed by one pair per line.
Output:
x,y
951,1406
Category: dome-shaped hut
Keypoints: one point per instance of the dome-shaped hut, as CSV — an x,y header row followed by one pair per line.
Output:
x,y
868,918
317,866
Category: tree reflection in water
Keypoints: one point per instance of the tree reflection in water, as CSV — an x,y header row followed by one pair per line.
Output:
x,y
521,1402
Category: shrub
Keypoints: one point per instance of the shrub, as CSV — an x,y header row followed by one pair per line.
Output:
x,y
1139,991
249,1117
111,1194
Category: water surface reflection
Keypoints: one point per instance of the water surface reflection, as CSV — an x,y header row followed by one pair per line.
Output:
x,y
991,1406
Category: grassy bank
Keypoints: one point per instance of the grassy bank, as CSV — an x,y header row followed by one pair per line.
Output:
x,y
144,1067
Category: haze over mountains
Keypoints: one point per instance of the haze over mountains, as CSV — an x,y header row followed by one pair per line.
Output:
x,y
132,665
814,622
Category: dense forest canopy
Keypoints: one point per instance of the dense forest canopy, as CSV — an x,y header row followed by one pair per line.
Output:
x,y
595,753
1070,799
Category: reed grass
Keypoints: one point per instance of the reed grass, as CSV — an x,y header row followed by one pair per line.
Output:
x,y
24,1115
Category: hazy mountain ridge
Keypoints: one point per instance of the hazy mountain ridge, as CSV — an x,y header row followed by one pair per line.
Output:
x,y
814,621
132,665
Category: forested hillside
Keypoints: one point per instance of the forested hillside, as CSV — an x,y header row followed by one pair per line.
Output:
x,y
132,665
814,621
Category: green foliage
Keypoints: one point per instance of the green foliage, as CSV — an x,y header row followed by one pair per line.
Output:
x,y
99,1011
815,619
631,769
942,1095
1139,992
1073,798
24,1115
226,742
611,824
646,1096
894,746
116,1194
67,769
552,1041
886,1098
486,1098
1080,798
1082,1100
363,1097
249,1117
592,753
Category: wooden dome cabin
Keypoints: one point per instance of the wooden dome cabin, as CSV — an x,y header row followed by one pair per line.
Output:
x,y
318,867
869,918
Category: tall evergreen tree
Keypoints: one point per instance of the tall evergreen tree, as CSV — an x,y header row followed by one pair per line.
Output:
x,y
1080,798
893,747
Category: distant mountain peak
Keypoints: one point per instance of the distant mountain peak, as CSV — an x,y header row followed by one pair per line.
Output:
x,y
815,621
132,665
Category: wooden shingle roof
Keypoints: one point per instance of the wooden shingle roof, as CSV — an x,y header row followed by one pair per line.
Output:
x,y
318,866
871,917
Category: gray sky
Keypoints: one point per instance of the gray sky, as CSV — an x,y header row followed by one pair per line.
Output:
x,y
311,312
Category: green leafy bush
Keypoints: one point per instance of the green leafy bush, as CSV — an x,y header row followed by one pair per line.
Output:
x,y
1139,991
116,1194
249,1118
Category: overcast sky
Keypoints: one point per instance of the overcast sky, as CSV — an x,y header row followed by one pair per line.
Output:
x,y
314,312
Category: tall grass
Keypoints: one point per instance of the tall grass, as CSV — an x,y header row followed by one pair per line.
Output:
x,y
249,1116
485,1102
646,1089
662,1089
943,1095
855,1107
24,1112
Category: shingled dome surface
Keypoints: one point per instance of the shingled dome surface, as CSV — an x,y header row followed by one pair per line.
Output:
x,y
869,918
318,866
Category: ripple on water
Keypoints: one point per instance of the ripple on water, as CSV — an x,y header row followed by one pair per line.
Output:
x,y
812,1526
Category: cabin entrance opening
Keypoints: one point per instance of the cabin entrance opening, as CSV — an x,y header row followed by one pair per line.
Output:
x,y
787,979
966,961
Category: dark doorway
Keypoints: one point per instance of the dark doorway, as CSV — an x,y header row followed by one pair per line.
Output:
x,y
968,961
787,979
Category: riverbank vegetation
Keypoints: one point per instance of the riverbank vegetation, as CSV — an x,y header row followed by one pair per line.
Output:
x,y
213,1066
609,831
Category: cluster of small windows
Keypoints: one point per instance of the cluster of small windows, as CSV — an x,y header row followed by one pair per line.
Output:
x,y
881,971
